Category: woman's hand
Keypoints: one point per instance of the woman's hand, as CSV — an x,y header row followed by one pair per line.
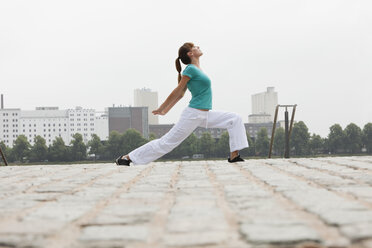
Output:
x,y
158,112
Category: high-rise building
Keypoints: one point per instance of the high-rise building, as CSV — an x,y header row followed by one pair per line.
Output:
x,y
122,118
147,98
263,106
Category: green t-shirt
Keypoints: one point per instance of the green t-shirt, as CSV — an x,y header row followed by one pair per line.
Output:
x,y
200,87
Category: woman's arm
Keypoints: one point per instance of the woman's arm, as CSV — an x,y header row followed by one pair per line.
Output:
x,y
173,98
170,106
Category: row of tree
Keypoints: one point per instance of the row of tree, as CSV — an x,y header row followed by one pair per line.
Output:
x,y
350,140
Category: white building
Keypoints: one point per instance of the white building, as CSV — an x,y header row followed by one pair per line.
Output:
x,y
263,106
9,125
147,98
49,123
101,127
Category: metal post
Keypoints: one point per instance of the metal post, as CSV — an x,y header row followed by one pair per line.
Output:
x,y
3,156
273,131
286,153
292,119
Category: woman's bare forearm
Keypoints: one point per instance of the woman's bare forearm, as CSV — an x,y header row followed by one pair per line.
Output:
x,y
170,105
173,97
169,102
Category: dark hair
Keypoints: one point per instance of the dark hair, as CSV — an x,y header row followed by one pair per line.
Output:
x,y
182,55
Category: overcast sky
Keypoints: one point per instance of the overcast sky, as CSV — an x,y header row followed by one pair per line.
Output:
x,y
317,54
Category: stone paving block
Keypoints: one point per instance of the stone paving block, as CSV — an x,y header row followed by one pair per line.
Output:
x,y
29,197
114,219
197,223
358,231
92,194
115,232
361,191
61,188
128,208
343,217
278,234
30,227
15,204
21,241
247,191
196,239
61,212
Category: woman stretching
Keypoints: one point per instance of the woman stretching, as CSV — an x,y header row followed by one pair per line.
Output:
x,y
197,114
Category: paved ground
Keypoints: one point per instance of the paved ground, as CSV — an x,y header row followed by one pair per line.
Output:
x,y
324,202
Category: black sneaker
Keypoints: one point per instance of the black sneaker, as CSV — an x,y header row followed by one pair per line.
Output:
x,y
123,161
236,159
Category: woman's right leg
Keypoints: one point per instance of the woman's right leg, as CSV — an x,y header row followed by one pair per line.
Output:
x,y
159,147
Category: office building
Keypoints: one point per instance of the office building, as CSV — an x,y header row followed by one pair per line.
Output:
x,y
147,98
263,106
121,119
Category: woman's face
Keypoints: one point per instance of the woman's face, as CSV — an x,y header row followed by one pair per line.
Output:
x,y
195,52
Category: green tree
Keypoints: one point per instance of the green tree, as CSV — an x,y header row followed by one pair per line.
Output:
x,y
279,141
130,140
21,148
39,151
316,144
58,151
152,136
194,144
113,147
367,137
207,144
325,142
353,138
7,152
299,139
95,146
252,146
187,148
336,138
223,145
78,149
262,142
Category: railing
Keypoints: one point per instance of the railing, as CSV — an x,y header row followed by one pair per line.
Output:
x,y
287,131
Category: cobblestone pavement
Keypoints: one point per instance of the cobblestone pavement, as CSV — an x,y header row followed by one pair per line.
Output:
x,y
322,202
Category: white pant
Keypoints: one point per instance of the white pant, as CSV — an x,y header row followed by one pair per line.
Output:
x,y
190,119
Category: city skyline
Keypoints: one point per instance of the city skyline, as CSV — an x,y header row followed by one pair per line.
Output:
x,y
316,54
252,127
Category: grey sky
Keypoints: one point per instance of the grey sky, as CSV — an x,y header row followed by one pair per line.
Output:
x,y
93,54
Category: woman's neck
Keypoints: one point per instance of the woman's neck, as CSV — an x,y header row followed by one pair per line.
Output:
x,y
195,61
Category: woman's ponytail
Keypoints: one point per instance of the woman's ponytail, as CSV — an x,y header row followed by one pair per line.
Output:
x,y
178,68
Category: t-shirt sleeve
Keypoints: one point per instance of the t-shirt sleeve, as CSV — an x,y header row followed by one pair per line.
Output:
x,y
189,71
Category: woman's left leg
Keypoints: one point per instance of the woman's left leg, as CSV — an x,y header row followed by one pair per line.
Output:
x,y
234,125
